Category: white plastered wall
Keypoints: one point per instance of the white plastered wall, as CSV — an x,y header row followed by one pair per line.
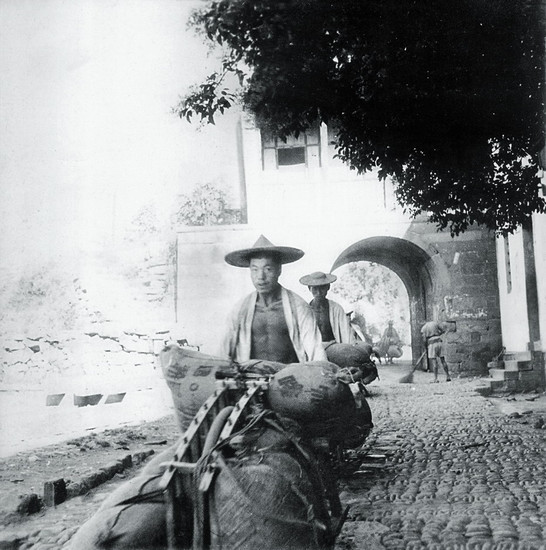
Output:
x,y
539,239
513,302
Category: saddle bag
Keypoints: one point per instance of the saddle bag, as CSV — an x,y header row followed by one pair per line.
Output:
x,y
313,395
354,356
191,377
347,355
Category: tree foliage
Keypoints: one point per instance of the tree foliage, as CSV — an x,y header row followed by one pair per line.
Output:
x,y
443,97
376,294
206,205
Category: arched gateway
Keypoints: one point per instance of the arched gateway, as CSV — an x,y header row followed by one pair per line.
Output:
x,y
411,263
452,279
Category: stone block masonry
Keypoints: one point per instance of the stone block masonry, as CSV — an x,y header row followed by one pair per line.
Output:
x,y
30,361
466,293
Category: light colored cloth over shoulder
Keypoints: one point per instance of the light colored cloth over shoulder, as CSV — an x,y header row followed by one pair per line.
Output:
x,y
341,326
302,328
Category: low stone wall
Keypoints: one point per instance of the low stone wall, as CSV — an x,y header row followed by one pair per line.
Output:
x,y
471,344
30,360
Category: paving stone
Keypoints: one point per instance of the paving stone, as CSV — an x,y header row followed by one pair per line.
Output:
x,y
450,463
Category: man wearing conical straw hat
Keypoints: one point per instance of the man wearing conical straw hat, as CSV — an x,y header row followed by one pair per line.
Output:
x,y
272,323
331,318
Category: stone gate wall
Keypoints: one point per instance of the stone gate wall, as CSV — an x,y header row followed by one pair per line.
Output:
x,y
466,294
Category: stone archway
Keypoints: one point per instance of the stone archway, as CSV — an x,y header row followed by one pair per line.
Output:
x,y
412,264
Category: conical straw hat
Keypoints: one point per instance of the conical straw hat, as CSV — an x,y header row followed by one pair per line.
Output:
x,y
318,278
286,254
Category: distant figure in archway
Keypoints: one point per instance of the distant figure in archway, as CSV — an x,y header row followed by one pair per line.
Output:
x,y
363,339
432,334
358,322
332,320
390,344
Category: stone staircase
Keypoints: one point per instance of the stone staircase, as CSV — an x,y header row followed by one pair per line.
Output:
x,y
515,371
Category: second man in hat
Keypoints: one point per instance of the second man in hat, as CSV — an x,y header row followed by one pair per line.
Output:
x,y
332,320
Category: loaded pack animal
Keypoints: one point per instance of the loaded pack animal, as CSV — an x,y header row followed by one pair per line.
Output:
x,y
250,469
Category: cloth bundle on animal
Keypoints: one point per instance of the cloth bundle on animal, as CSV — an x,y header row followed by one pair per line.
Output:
x,y
191,377
394,351
315,395
133,516
310,391
353,356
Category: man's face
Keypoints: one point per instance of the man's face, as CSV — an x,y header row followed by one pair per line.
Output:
x,y
265,272
319,291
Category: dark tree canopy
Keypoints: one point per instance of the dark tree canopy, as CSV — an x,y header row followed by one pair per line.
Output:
x,y
445,96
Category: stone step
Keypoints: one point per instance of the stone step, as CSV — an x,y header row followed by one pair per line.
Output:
x,y
490,386
517,355
496,384
497,374
485,390
502,374
517,366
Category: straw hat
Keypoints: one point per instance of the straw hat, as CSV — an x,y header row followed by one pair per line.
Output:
x,y
318,278
286,254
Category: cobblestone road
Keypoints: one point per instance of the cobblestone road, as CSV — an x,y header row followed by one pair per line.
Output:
x,y
457,474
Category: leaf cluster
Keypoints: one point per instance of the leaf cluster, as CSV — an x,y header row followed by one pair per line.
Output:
x,y
206,205
369,282
443,97
375,293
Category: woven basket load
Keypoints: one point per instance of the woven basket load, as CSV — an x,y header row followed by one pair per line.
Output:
x,y
267,502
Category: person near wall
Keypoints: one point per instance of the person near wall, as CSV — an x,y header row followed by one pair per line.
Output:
x,y
333,323
390,344
272,323
432,332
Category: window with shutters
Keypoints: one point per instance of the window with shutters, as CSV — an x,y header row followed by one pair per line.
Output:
x,y
293,153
